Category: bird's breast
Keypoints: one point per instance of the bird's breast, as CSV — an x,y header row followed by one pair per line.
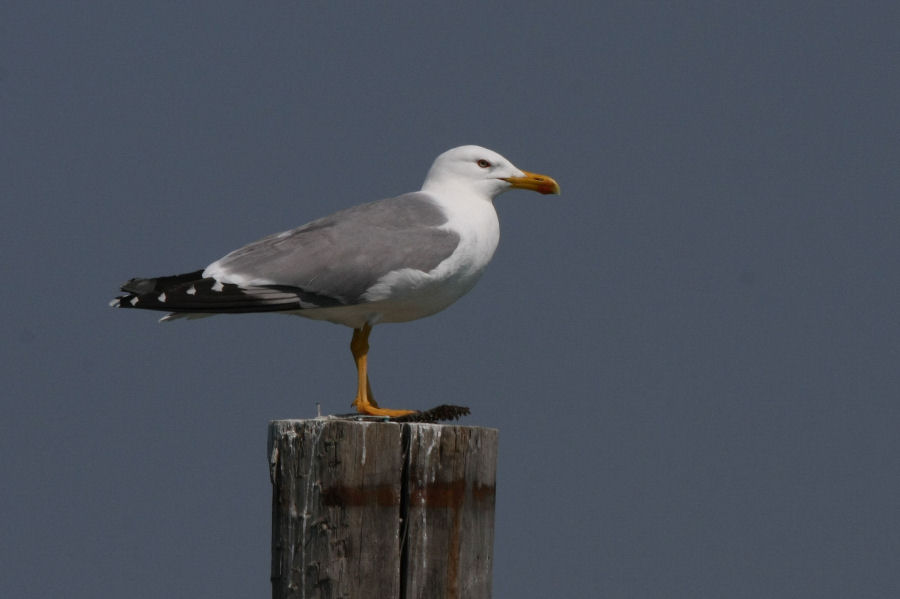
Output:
x,y
409,294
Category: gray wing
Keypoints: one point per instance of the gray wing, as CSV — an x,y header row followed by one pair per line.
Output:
x,y
342,255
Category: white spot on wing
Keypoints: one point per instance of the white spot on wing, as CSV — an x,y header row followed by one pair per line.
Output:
x,y
218,286
133,301
162,297
191,290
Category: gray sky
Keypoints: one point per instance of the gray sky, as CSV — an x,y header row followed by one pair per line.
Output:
x,y
691,355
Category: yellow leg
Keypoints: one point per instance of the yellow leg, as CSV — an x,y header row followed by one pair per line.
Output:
x,y
363,403
369,393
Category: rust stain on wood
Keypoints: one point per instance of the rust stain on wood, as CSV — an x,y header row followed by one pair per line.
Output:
x,y
453,554
484,493
438,494
452,496
449,494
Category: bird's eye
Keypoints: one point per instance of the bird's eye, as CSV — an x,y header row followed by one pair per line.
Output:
x,y
483,163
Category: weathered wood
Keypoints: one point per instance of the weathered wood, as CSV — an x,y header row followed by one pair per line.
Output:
x,y
381,509
452,473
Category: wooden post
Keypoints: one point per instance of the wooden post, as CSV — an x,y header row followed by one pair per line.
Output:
x,y
381,509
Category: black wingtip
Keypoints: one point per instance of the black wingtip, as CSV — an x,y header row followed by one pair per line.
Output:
x,y
139,286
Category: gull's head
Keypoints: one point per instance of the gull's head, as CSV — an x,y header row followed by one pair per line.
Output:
x,y
484,172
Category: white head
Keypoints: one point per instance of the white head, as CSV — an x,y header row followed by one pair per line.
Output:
x,y
484,172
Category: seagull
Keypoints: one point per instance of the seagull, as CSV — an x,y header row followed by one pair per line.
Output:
x,y
391,260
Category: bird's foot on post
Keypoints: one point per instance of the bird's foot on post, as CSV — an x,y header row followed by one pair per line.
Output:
x,y
364,406
365,400
437,414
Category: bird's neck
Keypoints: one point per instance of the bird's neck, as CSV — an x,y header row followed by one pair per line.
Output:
x,y
452,189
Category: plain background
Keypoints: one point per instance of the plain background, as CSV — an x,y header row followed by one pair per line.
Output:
x,y
691,355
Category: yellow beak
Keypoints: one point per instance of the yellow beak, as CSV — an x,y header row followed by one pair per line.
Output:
x,y
535,182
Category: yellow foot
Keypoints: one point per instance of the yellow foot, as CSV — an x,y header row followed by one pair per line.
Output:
x,y
372,410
